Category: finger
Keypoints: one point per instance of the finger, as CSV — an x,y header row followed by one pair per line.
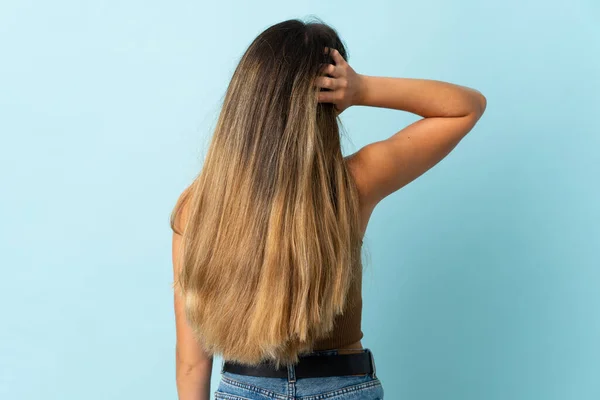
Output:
x,y
326,97
337,57
330,51
329,69
326,82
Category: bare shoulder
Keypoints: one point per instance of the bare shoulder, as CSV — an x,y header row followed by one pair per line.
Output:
x,y
383,167
366,200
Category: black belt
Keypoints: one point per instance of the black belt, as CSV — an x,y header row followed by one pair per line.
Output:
x,y
311,366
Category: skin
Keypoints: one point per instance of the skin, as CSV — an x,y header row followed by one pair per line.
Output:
x,y
380,168
193,367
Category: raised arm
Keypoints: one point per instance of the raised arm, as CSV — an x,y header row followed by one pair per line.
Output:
x,y
449,112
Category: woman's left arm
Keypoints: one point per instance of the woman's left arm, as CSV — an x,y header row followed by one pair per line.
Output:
x,y
193,365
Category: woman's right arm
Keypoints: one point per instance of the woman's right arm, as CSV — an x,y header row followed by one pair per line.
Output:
x,y
449,112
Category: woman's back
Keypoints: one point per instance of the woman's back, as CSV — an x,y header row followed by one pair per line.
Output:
x,y
268,258
384,167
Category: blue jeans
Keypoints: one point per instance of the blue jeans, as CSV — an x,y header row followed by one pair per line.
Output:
x,y
348,387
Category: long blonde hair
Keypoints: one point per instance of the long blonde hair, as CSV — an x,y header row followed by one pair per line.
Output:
x,y
272,239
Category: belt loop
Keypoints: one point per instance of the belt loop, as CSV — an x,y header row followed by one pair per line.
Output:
x,y
222,365
291,373
372,364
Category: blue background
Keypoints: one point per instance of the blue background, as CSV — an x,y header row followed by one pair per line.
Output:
x,y
482,276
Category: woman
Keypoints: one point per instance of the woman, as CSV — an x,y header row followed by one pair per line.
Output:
x,y
267,239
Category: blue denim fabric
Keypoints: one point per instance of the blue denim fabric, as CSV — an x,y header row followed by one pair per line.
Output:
x,y
349,387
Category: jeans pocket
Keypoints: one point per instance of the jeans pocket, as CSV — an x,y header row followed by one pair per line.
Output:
x,y
341,388
238,387
226,396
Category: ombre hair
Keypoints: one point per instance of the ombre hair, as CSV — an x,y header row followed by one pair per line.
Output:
x,y
271,234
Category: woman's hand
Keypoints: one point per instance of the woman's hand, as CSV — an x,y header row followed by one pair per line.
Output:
x,y
346,86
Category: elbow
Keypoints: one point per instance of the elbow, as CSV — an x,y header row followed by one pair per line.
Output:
x,y
478,108
481,104
193,366
194,371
